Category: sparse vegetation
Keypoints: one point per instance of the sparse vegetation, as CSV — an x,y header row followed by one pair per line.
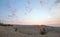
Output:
x,y
27,32
1,24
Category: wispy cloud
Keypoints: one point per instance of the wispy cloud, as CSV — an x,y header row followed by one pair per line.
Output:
x,y
57,2
43,3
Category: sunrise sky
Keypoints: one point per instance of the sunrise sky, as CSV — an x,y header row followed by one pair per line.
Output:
x,y
30,12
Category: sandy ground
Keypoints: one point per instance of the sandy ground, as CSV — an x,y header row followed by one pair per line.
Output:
x,y
10,32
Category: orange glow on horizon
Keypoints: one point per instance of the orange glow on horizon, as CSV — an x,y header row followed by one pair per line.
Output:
x,y
53,22
39,25
35,23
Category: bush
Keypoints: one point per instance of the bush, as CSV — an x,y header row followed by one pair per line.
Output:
x,y
16,29
43,31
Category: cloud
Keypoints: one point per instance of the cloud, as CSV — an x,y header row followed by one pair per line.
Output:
x,y
43,3
57,2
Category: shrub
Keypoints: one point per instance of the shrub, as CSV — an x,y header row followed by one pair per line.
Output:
x,y
16,29
43,31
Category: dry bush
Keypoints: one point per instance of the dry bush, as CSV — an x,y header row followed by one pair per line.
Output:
x,y
43,31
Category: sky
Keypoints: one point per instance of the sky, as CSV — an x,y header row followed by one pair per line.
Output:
x,y
30,12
